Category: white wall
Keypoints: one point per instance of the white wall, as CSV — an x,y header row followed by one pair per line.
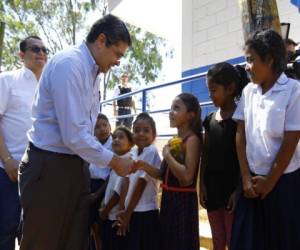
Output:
x,y
288,13
212,30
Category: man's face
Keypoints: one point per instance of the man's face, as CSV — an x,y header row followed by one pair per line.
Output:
x,y
124,79
291,48
35,55
107,57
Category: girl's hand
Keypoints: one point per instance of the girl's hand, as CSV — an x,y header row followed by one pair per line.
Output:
x,y
231,203
138,165
123,223
203,196
103,214
262,186
166,151
248,188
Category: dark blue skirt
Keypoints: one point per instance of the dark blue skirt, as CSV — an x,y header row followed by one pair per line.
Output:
x,y
272,223
109,238
143,231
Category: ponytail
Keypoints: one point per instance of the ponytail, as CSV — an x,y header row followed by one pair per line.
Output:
x,y
192,104
243,80
225,74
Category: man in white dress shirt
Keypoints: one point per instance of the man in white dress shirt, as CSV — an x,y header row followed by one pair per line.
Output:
x,y
54,179
17,90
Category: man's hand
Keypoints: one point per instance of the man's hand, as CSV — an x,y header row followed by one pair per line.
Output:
x,y
122,166
11,168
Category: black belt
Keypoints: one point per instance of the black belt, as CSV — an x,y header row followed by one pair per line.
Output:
x,y
35,148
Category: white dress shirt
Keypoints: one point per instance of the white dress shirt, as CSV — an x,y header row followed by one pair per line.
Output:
x,y
148,200
66,106
17,90
267,116
101,172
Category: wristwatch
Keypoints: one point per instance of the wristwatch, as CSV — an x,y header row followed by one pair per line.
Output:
x,y
8,158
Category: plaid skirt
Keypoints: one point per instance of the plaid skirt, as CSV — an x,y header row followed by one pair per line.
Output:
x,y
179,221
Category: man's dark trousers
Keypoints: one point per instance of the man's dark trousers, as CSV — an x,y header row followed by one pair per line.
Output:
x,y
54,192
9,211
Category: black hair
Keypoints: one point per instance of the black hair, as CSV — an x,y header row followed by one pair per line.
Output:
x,y
145,116
225,74
268,43
23,43
112,27
128,133
290,41
192,104
102,117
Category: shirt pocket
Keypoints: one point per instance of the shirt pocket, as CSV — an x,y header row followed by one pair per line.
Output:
x,y
275,118
21,100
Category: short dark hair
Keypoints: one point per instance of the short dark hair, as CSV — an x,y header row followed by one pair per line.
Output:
x,y
102,117
128,133
290,41
269,43
112,27
225,74
146,117
23,43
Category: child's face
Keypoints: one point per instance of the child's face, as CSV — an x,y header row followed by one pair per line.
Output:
x,y
102,130
260,71
218,93
178,114
143,134
120,143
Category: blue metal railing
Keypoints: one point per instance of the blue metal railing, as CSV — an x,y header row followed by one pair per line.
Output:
x,y
146,90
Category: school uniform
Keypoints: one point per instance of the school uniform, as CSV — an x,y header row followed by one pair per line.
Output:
x,y
274,222
221,175
179,219
109,238
144,222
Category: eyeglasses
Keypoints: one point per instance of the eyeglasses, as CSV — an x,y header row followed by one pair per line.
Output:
x,y
36,49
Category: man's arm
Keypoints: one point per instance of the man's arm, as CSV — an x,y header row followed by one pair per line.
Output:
x,y
114,108
133,105
66,86
116,94
10,164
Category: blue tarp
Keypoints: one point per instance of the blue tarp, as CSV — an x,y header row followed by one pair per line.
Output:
x,y
296,3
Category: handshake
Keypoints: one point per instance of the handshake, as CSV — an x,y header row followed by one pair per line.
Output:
x,y
125,166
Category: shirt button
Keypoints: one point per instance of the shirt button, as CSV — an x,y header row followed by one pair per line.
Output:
x,y
262,105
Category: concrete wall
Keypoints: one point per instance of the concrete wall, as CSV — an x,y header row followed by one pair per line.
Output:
x,y
212,32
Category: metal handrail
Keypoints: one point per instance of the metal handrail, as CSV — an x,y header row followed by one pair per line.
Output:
x,y
183,80
149,88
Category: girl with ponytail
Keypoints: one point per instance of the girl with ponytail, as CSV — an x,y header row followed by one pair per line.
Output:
x,y
179,202
219,173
